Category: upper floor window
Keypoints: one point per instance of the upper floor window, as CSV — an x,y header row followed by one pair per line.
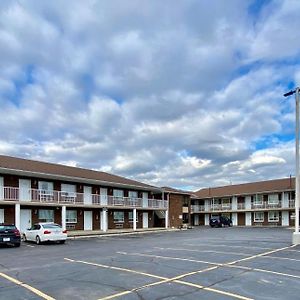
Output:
x,y
118,193
258,199
46,185
132,194
273,199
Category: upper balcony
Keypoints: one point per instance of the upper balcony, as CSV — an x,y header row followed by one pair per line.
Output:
x,y
242,206
72,198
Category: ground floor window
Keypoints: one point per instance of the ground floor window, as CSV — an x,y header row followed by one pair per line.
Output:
x,y
71,216
130,216
118,216
273,216
46,215
259,216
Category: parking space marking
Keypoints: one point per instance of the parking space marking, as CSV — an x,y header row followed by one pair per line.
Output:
x,y
203,251
176,279
230,246
27,286
115,268
260,254
162,280
283,258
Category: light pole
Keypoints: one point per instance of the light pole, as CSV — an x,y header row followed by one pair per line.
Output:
x,y
296,234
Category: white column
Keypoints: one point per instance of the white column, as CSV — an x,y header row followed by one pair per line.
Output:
x,y
248,219
206,205
134,219
101,219
206,220
234,219
167,219
63,217
105,220
18,215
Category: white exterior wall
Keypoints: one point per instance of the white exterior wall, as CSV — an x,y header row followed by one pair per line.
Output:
x,y
206,219
234,219
248,219
234,203
2,215
248,203
285,218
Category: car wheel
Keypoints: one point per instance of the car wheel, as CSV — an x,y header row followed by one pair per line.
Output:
x,y
17,244
37,240
62,242
24,238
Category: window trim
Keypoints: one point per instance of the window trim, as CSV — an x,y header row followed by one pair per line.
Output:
x,y
47,220
257,220
70,220
121,220
131,219
273,219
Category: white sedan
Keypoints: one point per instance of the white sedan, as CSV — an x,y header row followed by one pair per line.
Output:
x,y
45,232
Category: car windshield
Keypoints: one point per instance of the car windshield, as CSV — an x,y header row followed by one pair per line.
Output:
x,y
7,227
52,226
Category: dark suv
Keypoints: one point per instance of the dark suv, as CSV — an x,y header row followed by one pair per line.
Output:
x,y
9,235
220,221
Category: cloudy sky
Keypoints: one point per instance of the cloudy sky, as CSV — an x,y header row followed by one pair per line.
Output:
x,y
172,93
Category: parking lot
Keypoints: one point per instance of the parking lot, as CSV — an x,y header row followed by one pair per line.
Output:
x,y
201,263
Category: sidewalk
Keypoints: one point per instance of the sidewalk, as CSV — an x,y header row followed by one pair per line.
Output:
x,y
126,231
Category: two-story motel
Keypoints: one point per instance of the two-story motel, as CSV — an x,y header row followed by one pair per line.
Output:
x,y
251,204
78,199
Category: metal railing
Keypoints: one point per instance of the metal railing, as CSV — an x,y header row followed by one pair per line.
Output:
x,y
197,208
63,197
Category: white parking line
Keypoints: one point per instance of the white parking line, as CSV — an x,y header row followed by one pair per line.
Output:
x,y
204,251
229,246
162,280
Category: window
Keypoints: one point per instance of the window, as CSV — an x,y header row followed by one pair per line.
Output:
x,y
273,216
118,193
130,216
259,216
132,194
71,216
46,215
258,200
273,199
118,216
45,185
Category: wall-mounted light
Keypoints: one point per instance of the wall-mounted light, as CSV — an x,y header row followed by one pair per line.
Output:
x,y
97,217
35,211
80,212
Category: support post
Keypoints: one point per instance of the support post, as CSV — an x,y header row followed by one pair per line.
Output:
x,y
63,217
18,216
134,219
105,220
167,219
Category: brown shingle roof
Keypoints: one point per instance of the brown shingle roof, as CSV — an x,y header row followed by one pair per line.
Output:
x,y
248,188
32,166
168,189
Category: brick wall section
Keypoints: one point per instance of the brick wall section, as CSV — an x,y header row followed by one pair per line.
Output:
x,y
175,209
9,213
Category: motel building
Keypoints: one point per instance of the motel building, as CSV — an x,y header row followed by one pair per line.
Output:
x,y
76,198
264,203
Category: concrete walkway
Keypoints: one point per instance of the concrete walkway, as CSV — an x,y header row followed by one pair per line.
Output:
x,y
94,233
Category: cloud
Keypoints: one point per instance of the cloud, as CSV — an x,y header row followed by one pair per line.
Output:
x,y
186,94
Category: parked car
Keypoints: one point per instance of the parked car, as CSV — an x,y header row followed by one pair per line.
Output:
x,y
10,235
45,232
220,221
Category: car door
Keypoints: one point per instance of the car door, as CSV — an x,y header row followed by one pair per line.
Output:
x,y
33,232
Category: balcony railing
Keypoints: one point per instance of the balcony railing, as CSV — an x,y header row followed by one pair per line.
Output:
x,y
197,208
62,197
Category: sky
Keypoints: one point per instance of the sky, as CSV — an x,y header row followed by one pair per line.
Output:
x,y
184,93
